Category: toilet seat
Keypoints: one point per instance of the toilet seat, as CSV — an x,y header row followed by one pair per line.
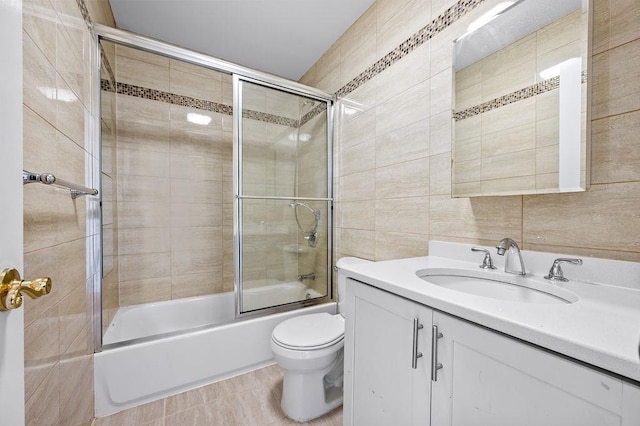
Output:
x,y
309,332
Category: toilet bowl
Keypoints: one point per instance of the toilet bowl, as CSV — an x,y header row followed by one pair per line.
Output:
x,y
309,349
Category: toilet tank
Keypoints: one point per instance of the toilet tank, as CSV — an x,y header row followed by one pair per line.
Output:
x,y
342,280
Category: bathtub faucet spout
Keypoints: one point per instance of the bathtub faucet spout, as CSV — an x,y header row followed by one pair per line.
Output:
x,y
309,276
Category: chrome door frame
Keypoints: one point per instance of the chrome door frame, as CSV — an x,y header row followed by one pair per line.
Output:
x,y
239,196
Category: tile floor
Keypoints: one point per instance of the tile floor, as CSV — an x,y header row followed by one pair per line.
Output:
x,y
252,399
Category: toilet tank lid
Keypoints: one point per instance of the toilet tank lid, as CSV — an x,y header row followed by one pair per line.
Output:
x,y
310,331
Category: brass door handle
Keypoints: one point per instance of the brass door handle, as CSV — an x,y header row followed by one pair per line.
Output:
x,y
12,287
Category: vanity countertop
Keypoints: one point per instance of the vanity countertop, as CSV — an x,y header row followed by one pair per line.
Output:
x,y
602,328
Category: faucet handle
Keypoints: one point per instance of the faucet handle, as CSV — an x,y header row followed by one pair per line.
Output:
x,y
487,263
556,274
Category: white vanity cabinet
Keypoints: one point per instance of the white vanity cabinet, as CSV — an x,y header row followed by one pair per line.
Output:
x,y
487,378
382,387
490,379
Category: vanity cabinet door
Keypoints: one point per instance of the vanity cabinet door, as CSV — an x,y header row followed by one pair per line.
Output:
x,y
491,379
381,385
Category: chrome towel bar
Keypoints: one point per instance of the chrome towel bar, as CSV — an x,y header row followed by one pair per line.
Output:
x,y
50,179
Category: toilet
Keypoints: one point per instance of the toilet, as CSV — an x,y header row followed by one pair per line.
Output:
x,y
309,349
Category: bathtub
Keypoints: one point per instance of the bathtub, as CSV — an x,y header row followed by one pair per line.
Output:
x,y
132,375
163,318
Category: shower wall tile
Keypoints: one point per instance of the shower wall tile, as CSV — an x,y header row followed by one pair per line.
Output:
x,y
172,182
614,24
616,81
363,28
40,20
615,156
145,266
196,215
408,19
408,179
190,84
144,290
143,240
394,245
358,158
390,214
141,55
140,73
403,75
99,11
587,220
357,59
39,81
143,137
394,147
58,341
406,108
483,218
135,214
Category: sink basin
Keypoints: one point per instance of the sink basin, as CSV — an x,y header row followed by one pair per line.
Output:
x,y
497,286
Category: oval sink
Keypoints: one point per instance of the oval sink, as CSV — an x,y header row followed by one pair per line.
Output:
x,y
490,284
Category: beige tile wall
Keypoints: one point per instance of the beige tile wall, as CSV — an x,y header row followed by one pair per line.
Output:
x,y
393,150
171,183
513,149
58,332
109,176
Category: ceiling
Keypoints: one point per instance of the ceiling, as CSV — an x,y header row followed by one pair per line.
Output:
x,y
281,37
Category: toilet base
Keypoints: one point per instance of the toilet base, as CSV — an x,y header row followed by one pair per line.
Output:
x,y
308,396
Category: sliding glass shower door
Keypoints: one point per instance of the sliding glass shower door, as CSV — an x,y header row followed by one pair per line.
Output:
x,y
283,197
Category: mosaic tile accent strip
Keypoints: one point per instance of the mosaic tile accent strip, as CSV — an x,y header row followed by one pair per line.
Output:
x,y
513,97
85,13
509,98
269,118
104,61
442,22
166,97
319,109
201,104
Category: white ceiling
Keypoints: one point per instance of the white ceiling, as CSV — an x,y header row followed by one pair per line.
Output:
x,y
282,37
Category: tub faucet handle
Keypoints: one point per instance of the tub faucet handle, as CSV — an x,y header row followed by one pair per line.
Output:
x,y
487,262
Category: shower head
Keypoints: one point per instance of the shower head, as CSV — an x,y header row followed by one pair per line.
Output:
x,y
310,236
316,213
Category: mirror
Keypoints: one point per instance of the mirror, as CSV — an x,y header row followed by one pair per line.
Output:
x,y
520,98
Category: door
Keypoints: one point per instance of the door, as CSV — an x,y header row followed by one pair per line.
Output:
x,y
386,381
282,186
491,379
11,322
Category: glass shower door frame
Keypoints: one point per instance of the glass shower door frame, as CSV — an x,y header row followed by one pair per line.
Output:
x,y
239,197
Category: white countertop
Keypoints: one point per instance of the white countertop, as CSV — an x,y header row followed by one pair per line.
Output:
x,y
602,328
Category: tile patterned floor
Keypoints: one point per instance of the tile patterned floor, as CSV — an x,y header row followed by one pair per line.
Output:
x,y
252,399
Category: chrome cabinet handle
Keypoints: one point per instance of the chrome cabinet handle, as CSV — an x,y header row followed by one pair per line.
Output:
x,y
435,365
415,354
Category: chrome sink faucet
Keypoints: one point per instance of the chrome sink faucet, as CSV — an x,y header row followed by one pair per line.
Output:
x,y
556,274
509,246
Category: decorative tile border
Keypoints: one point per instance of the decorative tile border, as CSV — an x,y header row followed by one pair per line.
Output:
x,y
104,60
513,97
509,98
85,13
313,113
204,105
166,97
443,21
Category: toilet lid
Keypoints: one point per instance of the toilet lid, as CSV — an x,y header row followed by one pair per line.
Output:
x,y
313,331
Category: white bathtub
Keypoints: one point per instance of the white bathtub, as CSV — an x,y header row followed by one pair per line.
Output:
x,y
135,374
152,319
